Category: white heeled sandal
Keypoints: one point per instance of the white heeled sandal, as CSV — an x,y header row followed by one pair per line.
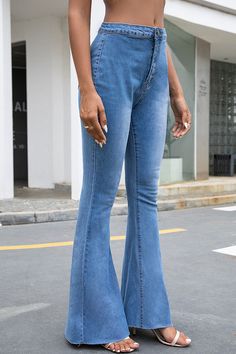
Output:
x,y
161,339
174,341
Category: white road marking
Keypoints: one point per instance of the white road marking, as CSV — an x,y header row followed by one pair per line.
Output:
x,y
229,208
230,251
12,311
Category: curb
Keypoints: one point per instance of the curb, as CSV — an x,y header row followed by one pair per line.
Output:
x,y
194,202
32,217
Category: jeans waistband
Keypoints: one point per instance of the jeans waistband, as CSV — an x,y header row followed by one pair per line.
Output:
x,y
134,30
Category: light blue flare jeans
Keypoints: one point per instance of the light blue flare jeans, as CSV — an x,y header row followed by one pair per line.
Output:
x,y
130,73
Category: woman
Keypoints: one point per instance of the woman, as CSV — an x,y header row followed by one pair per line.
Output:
x,y
125,78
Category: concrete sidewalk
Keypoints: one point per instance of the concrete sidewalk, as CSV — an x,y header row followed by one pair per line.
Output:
x,y
32,205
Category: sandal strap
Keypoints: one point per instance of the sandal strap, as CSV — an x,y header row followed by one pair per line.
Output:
x,y
175,340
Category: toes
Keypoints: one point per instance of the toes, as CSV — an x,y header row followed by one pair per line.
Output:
x,y
132,343
184,339
111,346
127,345
123,347
117,348
181,339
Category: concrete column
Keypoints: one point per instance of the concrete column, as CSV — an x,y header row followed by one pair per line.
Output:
x,y
6,124
48,99
76,141
202,82
41,93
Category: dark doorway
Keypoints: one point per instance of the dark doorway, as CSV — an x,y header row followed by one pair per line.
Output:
x,y
19,113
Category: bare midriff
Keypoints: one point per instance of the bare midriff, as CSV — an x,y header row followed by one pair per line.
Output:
x,y
139,12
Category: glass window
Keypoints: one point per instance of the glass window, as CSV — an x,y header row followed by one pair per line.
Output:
x,y
222,115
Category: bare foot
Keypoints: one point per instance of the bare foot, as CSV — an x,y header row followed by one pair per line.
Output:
x,y
169,333
125,345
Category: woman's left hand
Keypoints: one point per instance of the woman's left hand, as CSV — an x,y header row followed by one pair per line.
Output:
x,y
182,115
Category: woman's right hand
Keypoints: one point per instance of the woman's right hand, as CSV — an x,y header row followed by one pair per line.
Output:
x,y
92,114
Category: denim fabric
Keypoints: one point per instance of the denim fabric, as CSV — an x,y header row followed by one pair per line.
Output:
x,y
130,73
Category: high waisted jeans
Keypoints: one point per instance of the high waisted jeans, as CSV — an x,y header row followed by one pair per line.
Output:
x,y
130,73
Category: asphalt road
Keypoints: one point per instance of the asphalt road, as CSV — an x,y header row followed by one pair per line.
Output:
x,y
201,283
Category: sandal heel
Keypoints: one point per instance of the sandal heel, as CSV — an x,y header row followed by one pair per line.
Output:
x,y
133,331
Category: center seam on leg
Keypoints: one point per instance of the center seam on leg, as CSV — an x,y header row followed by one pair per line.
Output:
x,y
138,225
85,252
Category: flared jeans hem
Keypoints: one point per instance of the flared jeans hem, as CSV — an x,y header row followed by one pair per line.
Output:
x,y
116,339
99,340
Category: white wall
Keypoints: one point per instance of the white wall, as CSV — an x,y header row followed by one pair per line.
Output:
x,y
220,4
212,23
196,14
48,115
6,129
228,3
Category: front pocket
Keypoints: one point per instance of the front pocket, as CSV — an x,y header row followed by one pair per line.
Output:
x,y
96,50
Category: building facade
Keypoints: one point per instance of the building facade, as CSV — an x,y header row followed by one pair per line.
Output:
x,y
40,138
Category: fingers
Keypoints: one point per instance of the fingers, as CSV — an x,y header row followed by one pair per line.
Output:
x,y
102,118
94,120
98,134
94,129
181,128
175,127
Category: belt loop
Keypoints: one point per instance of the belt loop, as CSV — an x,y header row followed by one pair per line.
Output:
x,y
156,32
